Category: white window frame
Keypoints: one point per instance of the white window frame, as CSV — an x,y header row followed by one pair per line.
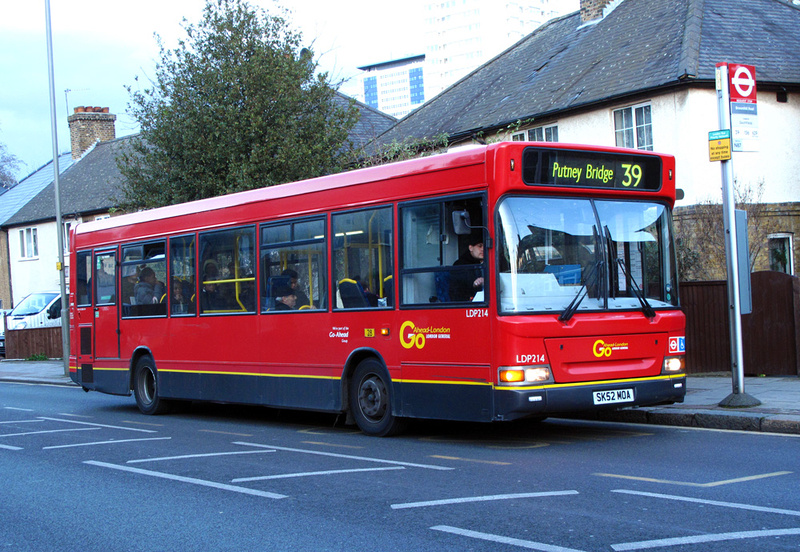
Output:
x,y
789,250
68,225
549,133
29,243
633,126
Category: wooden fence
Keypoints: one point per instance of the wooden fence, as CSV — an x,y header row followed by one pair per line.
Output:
x,y
39,341
770,334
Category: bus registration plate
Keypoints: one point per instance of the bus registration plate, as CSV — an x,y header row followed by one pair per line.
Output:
x,y
615,396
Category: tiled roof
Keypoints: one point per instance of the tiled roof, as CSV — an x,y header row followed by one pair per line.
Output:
x,y
92,184
370,124
639,47
89,186
29,187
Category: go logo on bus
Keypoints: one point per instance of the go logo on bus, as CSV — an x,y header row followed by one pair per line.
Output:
x,y
600,349
412,339
603,349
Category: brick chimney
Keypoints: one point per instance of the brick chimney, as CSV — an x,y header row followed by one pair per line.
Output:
x,y
592,9
88,125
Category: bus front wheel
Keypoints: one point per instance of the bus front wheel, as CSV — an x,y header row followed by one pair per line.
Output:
x,y
370,400
145,387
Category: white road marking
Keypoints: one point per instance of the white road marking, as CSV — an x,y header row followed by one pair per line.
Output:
x,y
9,447
311,474
480,499
100,425
349,457
690,484
185,456
503,540
21,421
678,541
712,502
192,480
20,409
49,431
112,442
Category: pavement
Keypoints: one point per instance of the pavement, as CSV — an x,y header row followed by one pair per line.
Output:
x,y
779,411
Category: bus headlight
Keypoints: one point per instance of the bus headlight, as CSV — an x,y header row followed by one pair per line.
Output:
x,y
521,375
674,365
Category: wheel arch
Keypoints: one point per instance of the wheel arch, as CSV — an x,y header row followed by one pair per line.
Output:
x,y
353,360
138,353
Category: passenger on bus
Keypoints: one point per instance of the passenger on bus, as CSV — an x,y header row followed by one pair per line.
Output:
x,y
372,299
180,300
285,299
210,299
302,298
148,291
467,281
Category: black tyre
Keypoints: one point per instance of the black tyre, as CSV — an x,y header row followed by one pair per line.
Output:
x,y
145,388
371,400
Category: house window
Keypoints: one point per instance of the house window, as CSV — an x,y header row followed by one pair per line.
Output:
x,y
543,134
538,134
633,127
68,225
780,253
28,243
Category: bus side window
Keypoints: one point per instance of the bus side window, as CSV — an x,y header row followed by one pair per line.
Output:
x,y
293,262
83,272
183,288
227,271
442,262
105,277
144,273
362,258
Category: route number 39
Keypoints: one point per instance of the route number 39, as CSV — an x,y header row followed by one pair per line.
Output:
x,y
633,175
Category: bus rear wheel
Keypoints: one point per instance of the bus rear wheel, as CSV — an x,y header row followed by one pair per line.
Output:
x,y
370,400
145,388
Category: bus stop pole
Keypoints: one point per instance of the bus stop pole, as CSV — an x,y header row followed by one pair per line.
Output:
x,y
59,223
738,398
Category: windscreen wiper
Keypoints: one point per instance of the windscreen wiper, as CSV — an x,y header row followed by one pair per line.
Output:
x,y
646,308
583,292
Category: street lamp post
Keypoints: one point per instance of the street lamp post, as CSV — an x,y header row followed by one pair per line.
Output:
x,y
59,223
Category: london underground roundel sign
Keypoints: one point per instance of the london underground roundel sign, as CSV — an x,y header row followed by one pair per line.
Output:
x,y
742,83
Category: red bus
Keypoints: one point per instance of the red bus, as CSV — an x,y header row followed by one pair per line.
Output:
x,y
501,282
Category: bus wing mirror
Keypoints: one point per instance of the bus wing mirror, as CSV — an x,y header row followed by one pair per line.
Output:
x,y
461,223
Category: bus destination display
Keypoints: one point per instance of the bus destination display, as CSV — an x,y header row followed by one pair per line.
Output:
x,y
591,169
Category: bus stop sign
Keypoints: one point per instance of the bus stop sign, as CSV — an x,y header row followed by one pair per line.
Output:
x,y
743,83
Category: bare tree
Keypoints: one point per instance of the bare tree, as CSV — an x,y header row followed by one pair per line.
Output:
x,y
701,234
9,164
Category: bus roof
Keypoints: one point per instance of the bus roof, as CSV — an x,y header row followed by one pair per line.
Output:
x,y
481,158
450,160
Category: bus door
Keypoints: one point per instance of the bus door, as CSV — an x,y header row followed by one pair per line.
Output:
x,y
444,296
83,319
106,317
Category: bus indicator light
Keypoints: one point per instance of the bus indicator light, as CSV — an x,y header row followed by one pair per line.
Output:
x,y
520,374
512,376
